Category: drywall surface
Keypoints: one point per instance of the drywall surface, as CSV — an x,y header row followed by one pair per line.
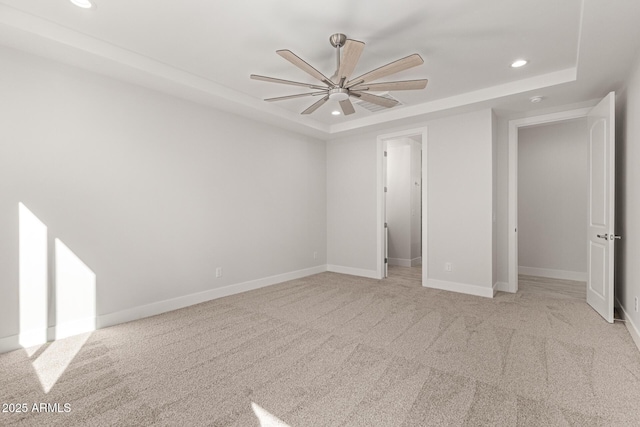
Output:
x,y
150,192
459,213
416,201
460,199
494,200
404,199
352,203
552,199
399,200
627,273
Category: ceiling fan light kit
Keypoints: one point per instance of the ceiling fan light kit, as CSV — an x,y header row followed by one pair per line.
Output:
x,y
340,86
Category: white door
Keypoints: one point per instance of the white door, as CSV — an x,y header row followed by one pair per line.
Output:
x,y
601,122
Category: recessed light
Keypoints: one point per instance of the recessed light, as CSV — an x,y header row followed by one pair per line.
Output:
x,y
85,4
335,112
519,63
535,99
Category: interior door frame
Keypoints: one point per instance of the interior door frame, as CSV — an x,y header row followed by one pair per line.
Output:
x,y
514,126
381,142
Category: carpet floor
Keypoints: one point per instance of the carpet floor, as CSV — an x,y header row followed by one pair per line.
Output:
x,y
337,350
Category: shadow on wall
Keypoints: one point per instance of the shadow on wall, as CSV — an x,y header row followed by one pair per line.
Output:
x,y
73,300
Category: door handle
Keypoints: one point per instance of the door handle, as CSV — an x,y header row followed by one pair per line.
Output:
x,y
603,236
614,237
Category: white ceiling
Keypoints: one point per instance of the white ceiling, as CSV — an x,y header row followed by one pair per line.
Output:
x,y
205,51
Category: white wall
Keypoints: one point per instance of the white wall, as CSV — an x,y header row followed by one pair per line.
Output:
x,y
416,202
404,201
399,201
460,202
352,205
460,198
552,200
494,201
151,192
627,271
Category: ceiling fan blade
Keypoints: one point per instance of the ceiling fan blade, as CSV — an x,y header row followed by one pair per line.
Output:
x,y
386,70
375,99
403,85
316,105
284,82
350,56
304,66
347,107
300,95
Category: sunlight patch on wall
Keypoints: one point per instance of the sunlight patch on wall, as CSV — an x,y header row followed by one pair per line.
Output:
x,y
75,294
74,286
33,280
265,418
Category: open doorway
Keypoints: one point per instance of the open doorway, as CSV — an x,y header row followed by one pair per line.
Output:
x,y
402,205
552,208
600,234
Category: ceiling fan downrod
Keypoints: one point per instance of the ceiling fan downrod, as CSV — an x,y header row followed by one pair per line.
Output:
x,y
337,40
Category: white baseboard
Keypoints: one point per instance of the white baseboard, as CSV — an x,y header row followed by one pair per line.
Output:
x,y
405,262
10,343
32,337
631,327
504,287
463,288
553,274
371,274
74,327
402,262
160,307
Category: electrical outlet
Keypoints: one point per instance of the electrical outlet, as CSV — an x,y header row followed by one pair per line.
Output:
x,y
448,266
636,304
219,272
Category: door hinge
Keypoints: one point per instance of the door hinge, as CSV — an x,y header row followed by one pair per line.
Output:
x,y
386,225
386,260
385,154
385,189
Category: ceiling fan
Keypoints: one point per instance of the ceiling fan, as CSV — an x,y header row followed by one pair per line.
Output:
x,y
340,87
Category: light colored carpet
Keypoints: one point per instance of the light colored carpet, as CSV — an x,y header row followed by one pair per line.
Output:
x,y
336,350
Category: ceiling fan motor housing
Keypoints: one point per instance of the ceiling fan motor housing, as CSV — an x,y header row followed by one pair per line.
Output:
x,y
338,94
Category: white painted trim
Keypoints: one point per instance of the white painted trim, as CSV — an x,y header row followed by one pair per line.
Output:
x,y
371,274
402,262
160,307
504,287
10,343
468,98
495,289
463,288
32,337
405,262
631,327
514,125
580,276
381,145
68,329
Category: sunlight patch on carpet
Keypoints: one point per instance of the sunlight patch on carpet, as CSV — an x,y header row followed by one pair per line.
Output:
x,y
52,363
266,418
